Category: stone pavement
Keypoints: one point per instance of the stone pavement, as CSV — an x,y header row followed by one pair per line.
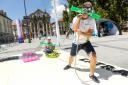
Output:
x,y
110,49
18,48
49,71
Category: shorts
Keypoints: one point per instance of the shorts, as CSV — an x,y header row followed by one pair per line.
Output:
x,y
87,47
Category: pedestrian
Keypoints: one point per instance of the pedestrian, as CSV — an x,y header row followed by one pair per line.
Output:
x,y
100,30
39,36
83,27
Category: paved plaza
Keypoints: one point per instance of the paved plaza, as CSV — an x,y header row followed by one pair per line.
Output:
x,y
49,71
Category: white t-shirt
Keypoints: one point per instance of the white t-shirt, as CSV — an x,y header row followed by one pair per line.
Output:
x,y
85,25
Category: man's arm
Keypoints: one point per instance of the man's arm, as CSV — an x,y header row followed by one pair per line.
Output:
x,y
76,24
91,29
88,33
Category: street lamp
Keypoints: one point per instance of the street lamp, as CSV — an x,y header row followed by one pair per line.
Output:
x,y
26,19
25,8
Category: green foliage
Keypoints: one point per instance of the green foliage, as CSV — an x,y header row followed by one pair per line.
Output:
x,y
66,18
65,15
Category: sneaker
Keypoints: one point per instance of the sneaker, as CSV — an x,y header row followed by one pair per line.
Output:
x,y
67,67
94,78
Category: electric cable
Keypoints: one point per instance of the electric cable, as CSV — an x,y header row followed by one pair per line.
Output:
x,y
75,60
75,63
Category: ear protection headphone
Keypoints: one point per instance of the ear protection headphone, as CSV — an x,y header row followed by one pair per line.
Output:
x,y
89,9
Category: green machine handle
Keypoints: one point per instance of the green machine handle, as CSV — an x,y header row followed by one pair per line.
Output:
x,y
81,11
76,9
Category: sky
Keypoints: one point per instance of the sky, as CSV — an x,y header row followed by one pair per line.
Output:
x,y
15,8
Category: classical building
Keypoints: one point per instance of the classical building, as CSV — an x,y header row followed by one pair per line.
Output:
x,y
6,33
62,27
37,23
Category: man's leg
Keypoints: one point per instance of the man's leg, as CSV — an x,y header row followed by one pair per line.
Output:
x,y
92,63
92,54
93,67
70,61
71,57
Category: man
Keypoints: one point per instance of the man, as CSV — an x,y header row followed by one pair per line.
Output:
x,y
83,27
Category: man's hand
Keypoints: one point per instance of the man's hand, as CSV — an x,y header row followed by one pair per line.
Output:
x,y
80,16
87,34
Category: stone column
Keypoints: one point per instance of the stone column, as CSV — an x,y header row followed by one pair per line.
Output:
x,y
46,24
43,28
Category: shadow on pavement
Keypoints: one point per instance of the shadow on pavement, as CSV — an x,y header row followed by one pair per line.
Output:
x,y
122,72
104,71
108,67
14,58
103,74
9,58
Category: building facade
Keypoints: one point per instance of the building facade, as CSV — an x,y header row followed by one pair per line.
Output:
x,y
6,33
62,26
38,23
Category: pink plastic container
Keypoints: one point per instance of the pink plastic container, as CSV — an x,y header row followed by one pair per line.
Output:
x,y
29,56
32,58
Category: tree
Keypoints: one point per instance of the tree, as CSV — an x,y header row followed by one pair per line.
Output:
x,y
66,19
117,10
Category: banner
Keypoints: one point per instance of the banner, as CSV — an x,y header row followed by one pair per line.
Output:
x,y
19,31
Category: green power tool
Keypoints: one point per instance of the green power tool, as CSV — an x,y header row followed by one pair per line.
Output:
x,y
82,10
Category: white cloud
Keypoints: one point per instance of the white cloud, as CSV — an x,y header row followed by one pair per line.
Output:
x,y
59,9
